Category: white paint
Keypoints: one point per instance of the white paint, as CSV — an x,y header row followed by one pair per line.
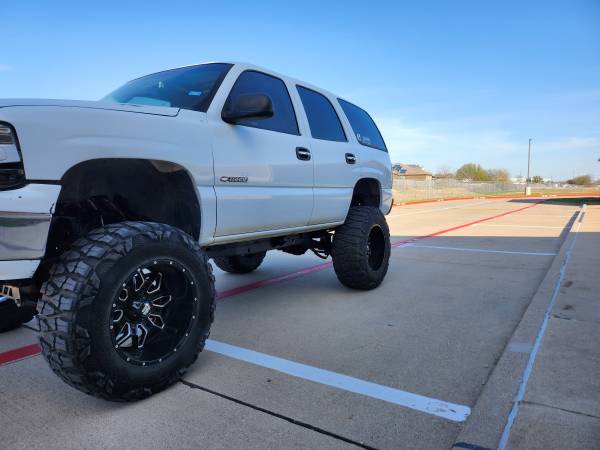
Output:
x,y
538,340
439,408
480,250
510,225
430,210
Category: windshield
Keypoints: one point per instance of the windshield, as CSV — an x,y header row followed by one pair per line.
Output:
x,y
188,87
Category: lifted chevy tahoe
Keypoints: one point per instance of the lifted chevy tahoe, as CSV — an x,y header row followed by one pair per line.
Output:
x,y
110,211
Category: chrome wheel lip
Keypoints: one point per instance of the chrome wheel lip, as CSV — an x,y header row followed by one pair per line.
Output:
x,y
156,323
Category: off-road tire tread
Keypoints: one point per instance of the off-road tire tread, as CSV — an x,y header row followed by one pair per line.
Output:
x,y
349,253
74,282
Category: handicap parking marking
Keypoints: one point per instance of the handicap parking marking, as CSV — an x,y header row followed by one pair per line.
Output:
x,y
480,250
432,406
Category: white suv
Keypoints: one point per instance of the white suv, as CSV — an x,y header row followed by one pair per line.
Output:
x,y
110,210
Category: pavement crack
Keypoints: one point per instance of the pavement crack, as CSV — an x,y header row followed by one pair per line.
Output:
x,y
525,402
279,416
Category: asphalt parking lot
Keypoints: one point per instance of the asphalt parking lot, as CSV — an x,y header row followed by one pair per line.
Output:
x,y
296,360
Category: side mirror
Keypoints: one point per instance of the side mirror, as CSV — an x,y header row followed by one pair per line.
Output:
x,y
248,106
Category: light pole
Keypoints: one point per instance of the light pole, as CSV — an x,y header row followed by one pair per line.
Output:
x,y
527,187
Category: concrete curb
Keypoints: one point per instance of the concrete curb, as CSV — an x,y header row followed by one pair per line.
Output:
x,y
484,427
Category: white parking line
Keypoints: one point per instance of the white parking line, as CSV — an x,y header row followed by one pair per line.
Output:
x,y
512,225
480,250
446,410
437,209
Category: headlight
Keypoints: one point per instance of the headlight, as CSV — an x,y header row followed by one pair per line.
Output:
x,y
12,174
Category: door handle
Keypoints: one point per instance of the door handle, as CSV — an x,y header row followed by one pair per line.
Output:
x,y
303,154
350,158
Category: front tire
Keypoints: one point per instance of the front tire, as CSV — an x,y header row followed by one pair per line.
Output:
x,y
126,310
361,248
240,263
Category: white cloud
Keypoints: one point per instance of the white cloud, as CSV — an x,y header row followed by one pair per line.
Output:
x,y
438,144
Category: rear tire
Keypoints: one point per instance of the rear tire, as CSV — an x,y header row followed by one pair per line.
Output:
x,y
126,310
361,248
240,263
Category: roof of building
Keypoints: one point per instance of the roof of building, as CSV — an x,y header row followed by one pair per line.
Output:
x,y
409,170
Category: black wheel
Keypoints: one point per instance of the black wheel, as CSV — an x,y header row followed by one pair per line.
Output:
x,y
13,316
361,248
241,263
126,310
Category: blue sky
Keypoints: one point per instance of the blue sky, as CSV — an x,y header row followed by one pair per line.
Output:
x,y
448,82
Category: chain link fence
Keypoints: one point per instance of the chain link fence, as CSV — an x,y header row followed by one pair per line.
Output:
x,y
440,188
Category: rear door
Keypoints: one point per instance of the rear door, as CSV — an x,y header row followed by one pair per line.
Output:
x,y
263,176
335,163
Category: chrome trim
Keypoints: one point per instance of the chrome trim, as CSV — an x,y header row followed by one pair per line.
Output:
x,y
23,235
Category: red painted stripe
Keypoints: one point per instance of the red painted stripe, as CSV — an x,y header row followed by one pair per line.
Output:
x,y
31,350
464,225
19,353
268,282
290,276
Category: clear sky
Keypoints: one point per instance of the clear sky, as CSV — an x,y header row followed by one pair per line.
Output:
x,y
448,82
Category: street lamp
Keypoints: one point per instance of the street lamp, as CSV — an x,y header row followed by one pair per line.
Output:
x,y
527,187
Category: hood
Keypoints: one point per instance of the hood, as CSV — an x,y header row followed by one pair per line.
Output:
x,y
141,109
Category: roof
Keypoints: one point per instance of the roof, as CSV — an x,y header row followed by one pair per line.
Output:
x,y
248,66
409,170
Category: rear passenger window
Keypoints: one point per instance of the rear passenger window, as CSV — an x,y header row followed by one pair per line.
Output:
x,y
363,126
323,121
284,117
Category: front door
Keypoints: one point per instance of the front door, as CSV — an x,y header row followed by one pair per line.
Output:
x,y
263,168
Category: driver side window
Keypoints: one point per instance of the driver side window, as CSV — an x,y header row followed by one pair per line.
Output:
x,y
284,117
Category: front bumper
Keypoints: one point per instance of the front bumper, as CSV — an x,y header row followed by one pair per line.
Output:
x,y
25,216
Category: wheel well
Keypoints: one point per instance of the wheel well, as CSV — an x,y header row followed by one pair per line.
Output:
x,y
366,193
103,191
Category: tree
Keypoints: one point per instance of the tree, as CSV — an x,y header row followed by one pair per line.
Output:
x,y
581,180
499,174
537,179
444,172
472,171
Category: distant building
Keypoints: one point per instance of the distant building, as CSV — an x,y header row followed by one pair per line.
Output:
x,y
411,172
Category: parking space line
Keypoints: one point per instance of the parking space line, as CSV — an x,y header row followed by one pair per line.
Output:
x,y
446,410
307,270
538,339
511,225
292,275
437,209
481,250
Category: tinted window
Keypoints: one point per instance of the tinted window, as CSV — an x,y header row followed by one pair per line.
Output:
x,y
363,126
322,118
188,87
284,118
